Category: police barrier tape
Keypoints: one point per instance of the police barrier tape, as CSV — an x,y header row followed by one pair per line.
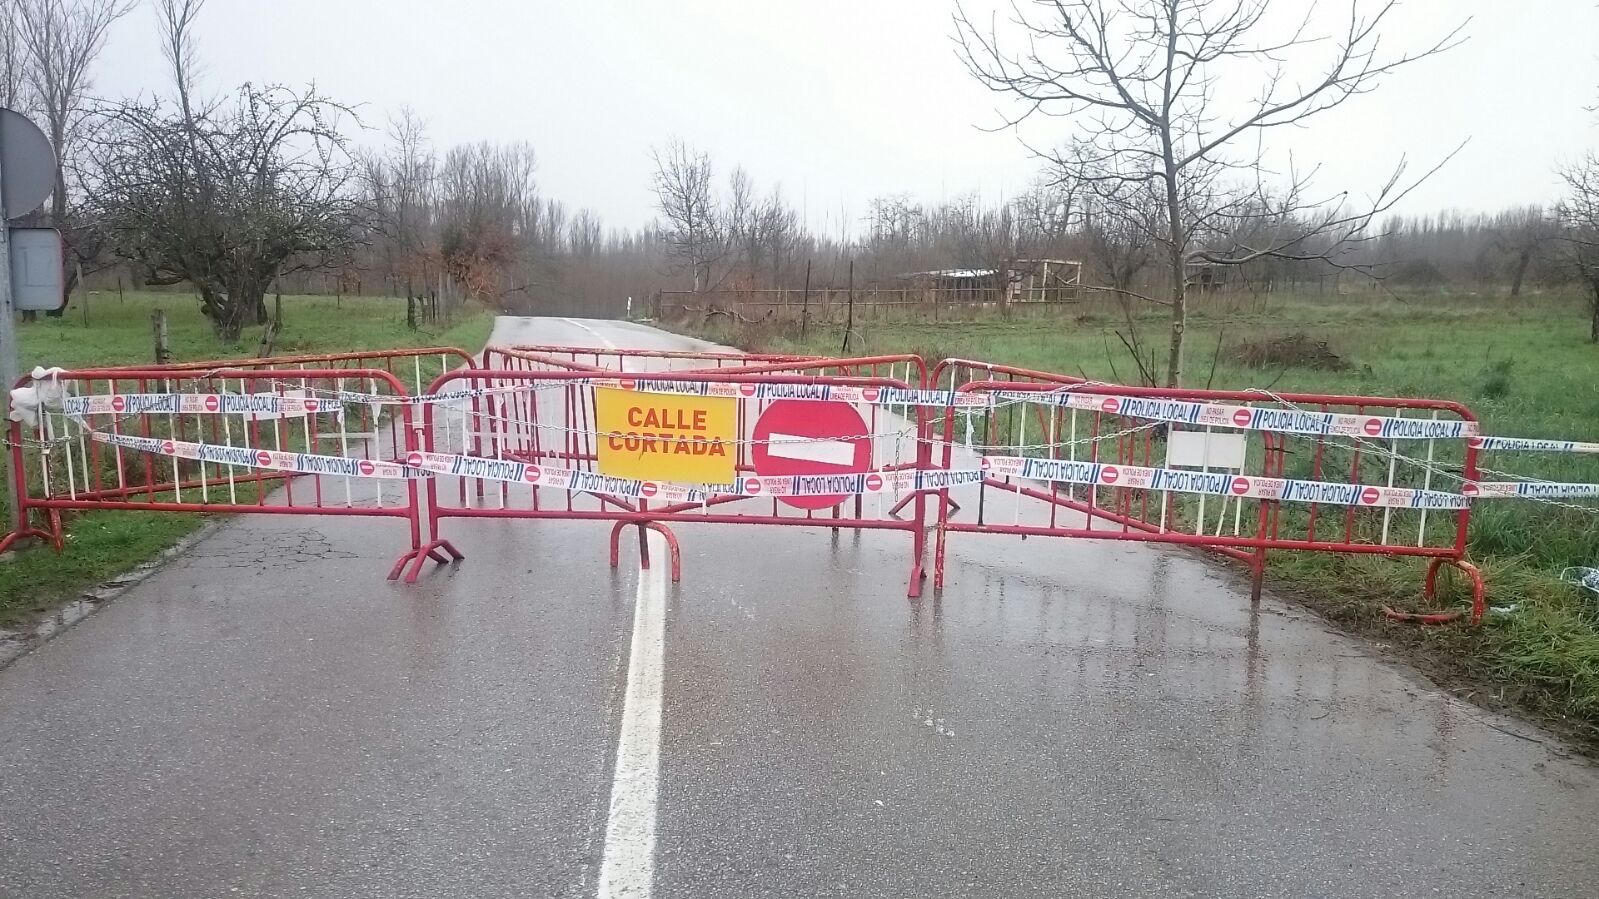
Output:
x,y
869,483
842,393
1527,489
427,464
1222,484
1254,418
879,396
1535,445
277,404
1251,418
784,485
250,457
423,465
573,480
448,396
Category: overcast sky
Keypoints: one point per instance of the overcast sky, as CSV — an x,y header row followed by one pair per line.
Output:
x,y
844,100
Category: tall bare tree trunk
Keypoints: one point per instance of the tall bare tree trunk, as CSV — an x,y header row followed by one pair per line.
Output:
x,y
1523,260
1593,326
1179,280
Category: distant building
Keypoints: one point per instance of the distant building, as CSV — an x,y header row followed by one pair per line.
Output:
x,y
1207,277
1023,281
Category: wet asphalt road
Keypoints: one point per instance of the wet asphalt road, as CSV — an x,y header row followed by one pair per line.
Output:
x,y
267,717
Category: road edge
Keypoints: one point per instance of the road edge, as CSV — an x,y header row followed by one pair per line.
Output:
x,y
17,644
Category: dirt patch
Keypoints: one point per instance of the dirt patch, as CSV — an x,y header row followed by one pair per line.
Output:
x,y
1298,350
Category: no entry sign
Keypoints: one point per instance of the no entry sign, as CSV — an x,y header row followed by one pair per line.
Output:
x,y
798,438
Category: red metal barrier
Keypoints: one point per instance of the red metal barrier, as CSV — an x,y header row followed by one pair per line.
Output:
x,y
499,358
1118,480
413,367
541,357
259,441
521,438
546,421
614,359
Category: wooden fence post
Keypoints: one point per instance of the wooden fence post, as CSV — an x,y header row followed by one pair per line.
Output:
x,y
158,323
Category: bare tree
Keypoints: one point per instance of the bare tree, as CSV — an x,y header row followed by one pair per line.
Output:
x,y
684,196
484,192
61,40
228,200
587,234
11,56
1523,233
175,19
398,188
777,236
1142,81
1579,218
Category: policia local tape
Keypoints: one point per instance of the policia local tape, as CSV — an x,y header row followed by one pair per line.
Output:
x,y
424,465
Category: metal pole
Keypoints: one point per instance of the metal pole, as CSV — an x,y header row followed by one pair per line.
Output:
x,y
805,301
8,337
849,322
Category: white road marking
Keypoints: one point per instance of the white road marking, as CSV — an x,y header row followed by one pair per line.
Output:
x,y
811,449
598,336
628,866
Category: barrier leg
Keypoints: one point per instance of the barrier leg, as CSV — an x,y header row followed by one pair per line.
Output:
x,y
1257,575
939,541
11,539
918,547
644,558
24,529
912,497
440,550
1430,592
58,531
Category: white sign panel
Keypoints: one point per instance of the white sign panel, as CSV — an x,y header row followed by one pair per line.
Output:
x,y
36,270
1201,449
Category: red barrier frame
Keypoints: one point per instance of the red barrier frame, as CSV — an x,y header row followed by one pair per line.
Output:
x,y
1251,550
551,354
639,513
124,498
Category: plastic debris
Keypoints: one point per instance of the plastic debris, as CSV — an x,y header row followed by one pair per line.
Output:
x,y
47,390
1586,578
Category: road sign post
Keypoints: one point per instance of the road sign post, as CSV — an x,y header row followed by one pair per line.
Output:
x,y
27,174
8,339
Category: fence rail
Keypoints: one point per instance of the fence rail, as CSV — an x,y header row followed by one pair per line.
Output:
x,y
836,305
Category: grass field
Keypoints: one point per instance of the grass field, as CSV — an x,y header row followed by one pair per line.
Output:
x,y
1524,366
118,332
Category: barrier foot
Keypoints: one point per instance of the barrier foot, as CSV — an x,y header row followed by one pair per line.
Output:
x,y
14,537
917,576
440,551
616,544
1430,592
643,546
911,497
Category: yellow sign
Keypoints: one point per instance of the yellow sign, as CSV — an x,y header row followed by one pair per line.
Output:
x,y
665,437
